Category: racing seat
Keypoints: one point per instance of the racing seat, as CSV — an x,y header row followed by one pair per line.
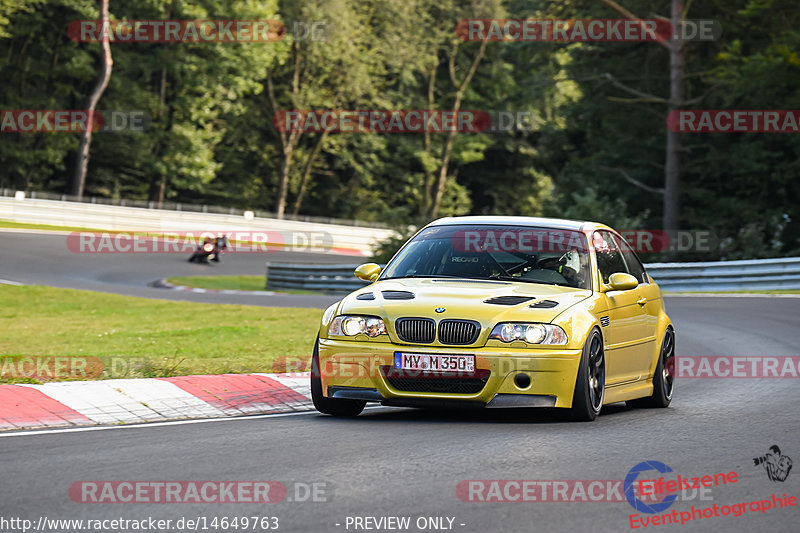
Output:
x,y
466,264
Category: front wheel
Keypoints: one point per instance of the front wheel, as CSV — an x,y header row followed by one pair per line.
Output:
x,y
663,377
591,383
330,406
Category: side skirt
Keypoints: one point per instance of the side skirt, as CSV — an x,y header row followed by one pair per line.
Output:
x,y
628,391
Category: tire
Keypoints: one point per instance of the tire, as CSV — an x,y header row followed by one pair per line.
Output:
x,y
663,378
330,406
590,386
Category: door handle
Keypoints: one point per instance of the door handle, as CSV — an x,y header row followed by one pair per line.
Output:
x,y
641,301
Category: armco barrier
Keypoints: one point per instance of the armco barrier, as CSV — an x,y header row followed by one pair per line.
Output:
x,y
342,239
323,278
718,276
747,275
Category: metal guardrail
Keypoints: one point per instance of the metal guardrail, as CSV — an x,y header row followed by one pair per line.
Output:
x,y
716,276
322,278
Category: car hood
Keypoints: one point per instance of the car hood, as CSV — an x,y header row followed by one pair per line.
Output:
x,y
484,301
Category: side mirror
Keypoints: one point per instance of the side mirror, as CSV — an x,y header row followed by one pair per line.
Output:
x,y
621,281
369,272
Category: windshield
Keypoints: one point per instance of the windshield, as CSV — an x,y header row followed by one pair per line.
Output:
x,y
508,253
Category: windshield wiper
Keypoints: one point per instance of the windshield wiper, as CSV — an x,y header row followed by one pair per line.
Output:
x,y
525,280
435,276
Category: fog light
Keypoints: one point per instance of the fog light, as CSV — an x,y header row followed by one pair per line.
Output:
x,y
522,381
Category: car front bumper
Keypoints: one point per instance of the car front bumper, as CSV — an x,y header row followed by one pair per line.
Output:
x,y
357,370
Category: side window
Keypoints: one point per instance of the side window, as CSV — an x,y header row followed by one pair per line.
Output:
x,y
635,267
609,257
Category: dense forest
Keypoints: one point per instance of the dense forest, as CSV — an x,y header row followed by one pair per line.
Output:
x,y
594,144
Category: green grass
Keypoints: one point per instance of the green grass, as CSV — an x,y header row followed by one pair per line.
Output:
x,y
241,283
139,337
24,225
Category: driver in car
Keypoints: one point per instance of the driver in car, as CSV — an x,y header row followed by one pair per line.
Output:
x,y
559,264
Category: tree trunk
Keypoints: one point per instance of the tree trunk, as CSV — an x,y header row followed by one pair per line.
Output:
x,y
307,172
672,168
288,142
82,159
280,204
441,182
162,189
426,200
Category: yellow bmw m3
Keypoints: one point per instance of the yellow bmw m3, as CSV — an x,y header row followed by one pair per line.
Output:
x,y
499,312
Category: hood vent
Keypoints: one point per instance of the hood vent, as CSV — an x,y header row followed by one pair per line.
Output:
x,y
365,296
397,295
544,304
508,300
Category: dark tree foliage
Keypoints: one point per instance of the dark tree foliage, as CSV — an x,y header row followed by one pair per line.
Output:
x,y
585,147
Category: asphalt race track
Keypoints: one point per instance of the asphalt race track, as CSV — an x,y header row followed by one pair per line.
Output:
x,y
404,462
45,259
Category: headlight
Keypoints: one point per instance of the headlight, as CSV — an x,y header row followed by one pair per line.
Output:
x,y
530,333
353,325
208,247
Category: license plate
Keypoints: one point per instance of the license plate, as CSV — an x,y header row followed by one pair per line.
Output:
x,y
434,362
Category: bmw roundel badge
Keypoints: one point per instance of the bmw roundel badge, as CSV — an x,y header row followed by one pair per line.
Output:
x,y
440,309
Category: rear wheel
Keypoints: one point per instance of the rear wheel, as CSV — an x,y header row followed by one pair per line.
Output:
x,y
663,378
330,406
591,383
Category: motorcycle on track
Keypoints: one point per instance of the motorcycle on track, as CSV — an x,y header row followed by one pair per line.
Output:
x,y
209,250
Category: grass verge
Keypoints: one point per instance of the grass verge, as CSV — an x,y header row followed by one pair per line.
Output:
x,y
140,337
24,225
240,283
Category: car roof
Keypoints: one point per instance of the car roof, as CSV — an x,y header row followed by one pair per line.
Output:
x,y
539,222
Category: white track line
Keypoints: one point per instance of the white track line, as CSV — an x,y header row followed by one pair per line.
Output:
x,y
170,423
